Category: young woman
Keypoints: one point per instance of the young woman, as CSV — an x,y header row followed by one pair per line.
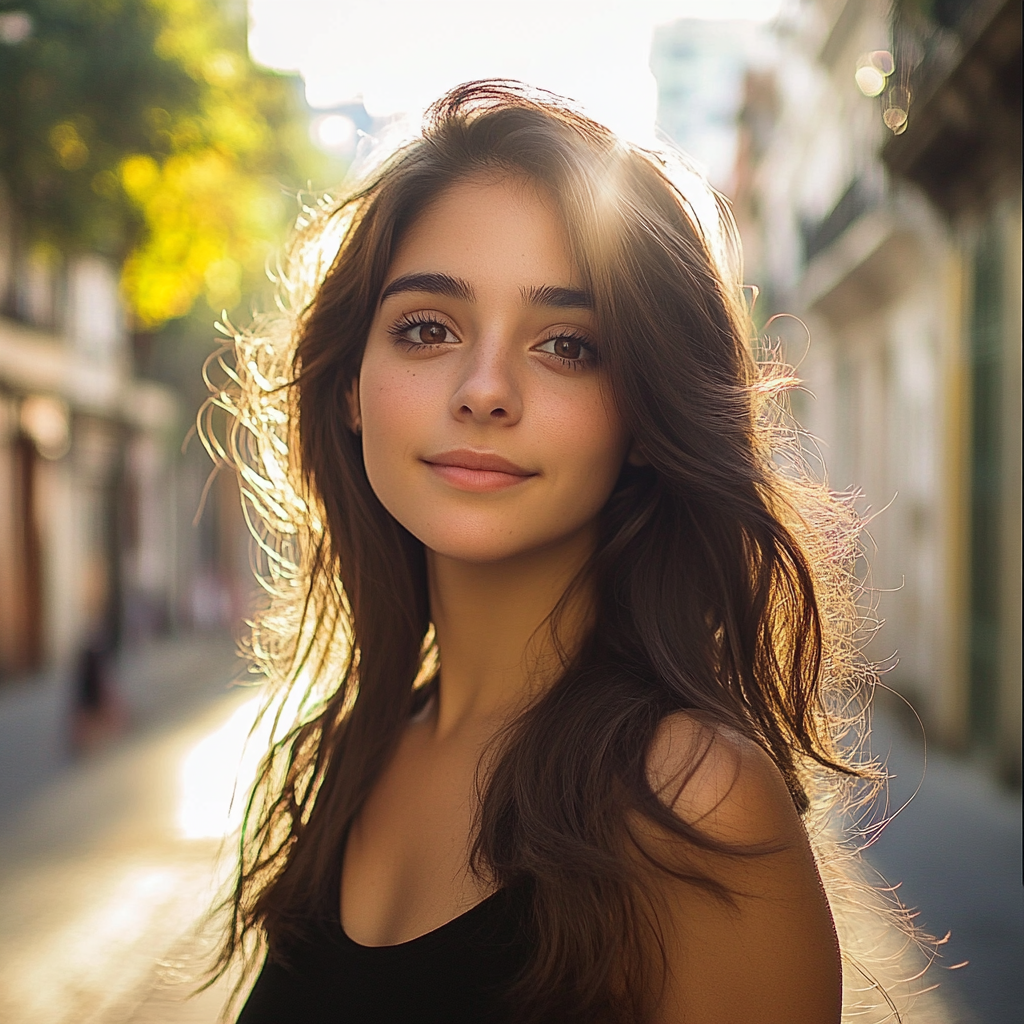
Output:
x,y
566,634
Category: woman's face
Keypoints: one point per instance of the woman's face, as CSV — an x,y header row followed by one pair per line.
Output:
x,y
488,425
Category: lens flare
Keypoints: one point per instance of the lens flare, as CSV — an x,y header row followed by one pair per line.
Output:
x,y
870,80
873,71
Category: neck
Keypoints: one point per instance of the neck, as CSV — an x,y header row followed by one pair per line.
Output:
x,y
493,634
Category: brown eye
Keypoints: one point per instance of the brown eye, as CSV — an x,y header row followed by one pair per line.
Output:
x,y
432,334
568,348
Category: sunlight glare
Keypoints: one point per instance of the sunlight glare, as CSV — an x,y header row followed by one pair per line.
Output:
x,y
396,56
335,133
218,772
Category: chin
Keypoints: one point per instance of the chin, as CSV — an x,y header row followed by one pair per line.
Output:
x,y
484,529
477,546
477,542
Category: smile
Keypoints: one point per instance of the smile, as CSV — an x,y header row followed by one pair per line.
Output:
x,y
477,471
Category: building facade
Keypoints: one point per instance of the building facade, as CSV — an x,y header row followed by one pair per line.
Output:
x,y
878,189
98,550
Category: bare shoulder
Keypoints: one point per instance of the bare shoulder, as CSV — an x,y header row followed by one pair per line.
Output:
x,y
721,782
768,951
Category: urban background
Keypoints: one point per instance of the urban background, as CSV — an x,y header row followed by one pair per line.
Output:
x,y
150,167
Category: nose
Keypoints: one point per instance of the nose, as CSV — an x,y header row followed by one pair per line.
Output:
x,y
487,391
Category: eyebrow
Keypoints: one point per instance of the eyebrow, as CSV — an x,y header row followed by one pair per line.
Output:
x,y
457,288
561,298
438,284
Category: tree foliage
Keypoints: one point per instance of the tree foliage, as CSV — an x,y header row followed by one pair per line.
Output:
x,y
141,129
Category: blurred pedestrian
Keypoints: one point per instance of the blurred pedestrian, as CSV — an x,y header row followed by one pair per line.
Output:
x,y
97,713
572,641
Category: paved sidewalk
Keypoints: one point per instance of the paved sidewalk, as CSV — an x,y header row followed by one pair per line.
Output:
x,y
158,684
955,851
106,864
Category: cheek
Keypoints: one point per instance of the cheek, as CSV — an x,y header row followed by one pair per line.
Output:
x,y
396,405
390,403
589,424
591,446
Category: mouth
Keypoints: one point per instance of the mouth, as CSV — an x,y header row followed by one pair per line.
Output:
x,y
477,471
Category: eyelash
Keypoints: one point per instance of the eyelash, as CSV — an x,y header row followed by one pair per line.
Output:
x,y
401,327
590,358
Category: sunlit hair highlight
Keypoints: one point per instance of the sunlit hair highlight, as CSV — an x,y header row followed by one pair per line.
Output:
x,y
724,574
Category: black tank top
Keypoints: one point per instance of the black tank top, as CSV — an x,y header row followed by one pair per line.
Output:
x,y
456,974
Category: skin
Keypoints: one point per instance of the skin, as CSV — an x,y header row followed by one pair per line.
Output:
x,y
502,368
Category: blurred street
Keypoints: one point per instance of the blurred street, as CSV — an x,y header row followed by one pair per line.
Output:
x,y
108,863
106,867
955,852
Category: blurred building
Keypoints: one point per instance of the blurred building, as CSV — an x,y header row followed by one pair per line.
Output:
x,y
878,189
97,546
699,67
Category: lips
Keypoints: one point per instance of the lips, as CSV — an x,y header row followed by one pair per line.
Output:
x,y
477,471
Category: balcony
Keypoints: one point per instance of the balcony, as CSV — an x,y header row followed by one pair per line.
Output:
x,y
963,140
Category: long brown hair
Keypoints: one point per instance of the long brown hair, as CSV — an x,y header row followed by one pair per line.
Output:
x,y
722,573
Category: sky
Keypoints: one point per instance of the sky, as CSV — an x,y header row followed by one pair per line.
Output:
x,y
396,56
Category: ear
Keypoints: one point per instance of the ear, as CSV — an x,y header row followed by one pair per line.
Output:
x,y
355,420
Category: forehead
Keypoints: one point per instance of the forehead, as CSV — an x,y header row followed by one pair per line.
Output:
x,y
489,226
